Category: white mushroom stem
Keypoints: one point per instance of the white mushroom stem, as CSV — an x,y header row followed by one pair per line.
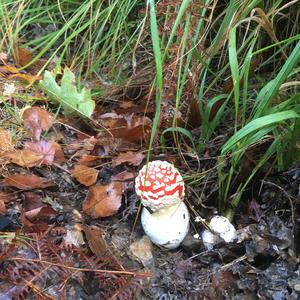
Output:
x,y
168,226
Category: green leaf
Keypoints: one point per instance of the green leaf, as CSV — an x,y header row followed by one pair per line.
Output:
x,y
72,101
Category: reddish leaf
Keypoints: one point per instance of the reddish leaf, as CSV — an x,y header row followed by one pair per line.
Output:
x,y
33,154
44,149
27,182
132,158
36,120
103,200
85,175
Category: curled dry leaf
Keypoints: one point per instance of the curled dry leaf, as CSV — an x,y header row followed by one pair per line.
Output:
x,y
36,120
103,200
85,175
27,182
130,157
129,127
33,154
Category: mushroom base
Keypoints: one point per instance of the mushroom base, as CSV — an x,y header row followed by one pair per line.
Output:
x,y
168,226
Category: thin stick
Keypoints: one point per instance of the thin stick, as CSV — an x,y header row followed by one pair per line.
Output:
x,y
145,274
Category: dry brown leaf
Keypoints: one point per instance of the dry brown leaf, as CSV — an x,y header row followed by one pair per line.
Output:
x,y
6,141
36,120
85,175
59,156
35,209
124,176
103,200
88,160
94,236
2,207
129,127
27,182
33,154
130,157
22,56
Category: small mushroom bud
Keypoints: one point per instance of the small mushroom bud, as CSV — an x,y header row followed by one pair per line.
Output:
x,y
165,217
220,228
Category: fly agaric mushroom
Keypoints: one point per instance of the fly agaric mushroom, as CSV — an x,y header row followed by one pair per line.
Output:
x,y
221,228
165,218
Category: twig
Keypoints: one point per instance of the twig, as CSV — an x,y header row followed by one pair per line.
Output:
x,y
144,274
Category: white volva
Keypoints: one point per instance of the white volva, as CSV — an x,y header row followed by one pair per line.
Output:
x,y
168,226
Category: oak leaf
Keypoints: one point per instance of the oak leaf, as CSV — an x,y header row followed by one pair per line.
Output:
x,y
67,95
103,200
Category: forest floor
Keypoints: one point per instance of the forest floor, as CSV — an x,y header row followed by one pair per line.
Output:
x,y
69,214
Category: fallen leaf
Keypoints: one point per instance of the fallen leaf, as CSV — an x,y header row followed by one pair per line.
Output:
x,y
88,160
42,148
129,127
124,176
94,236
2,207
33,154
67,96
27,182
36,120
6,141
35,209
103,200
59,156
22,56
85,175
130,157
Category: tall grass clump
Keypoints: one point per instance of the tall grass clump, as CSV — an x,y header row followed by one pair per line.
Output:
x,y
87,35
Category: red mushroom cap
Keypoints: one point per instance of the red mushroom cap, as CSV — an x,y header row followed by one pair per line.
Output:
x,y
163,186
